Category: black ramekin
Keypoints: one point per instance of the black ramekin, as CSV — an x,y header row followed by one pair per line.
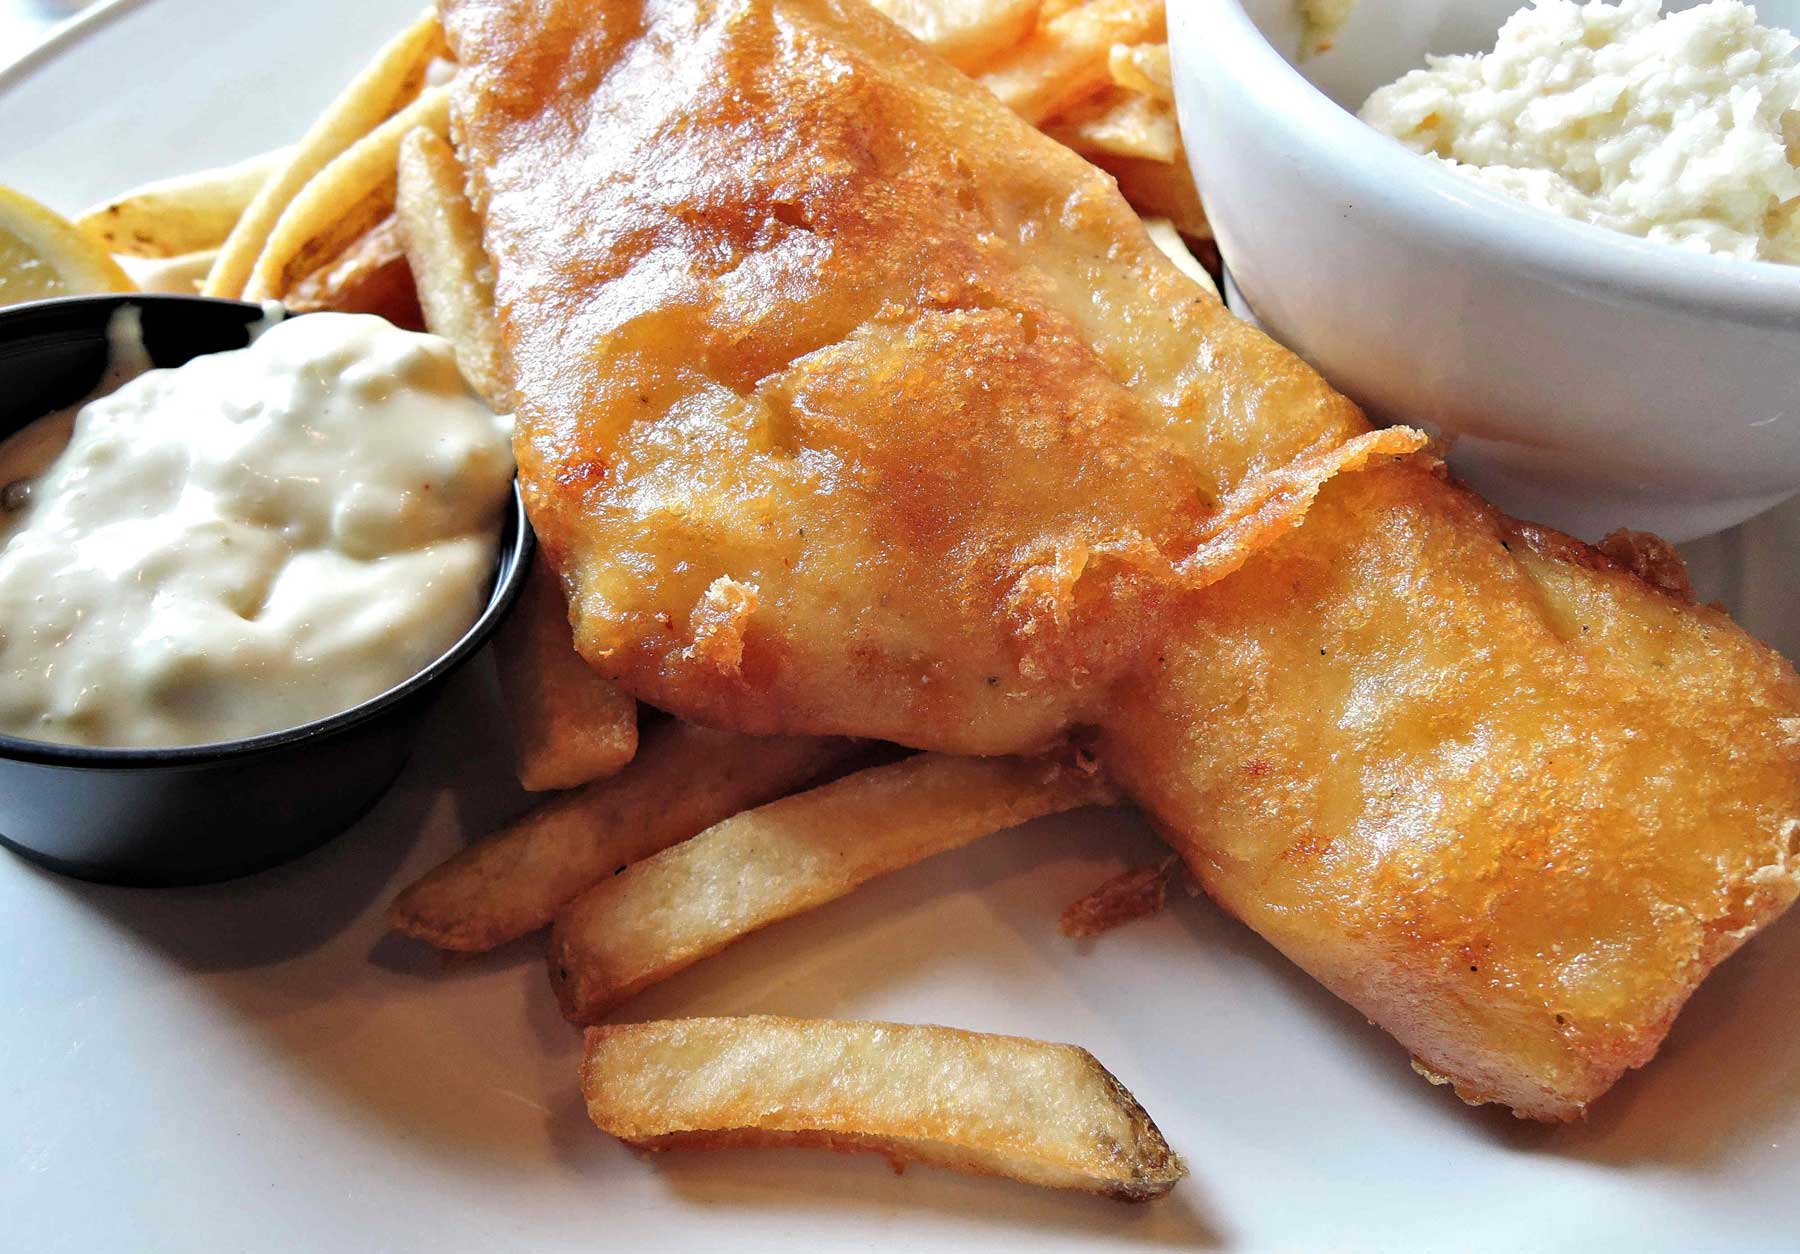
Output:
x,y
207,812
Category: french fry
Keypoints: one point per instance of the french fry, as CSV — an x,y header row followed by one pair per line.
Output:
x,y
350,195
1142,68
1158,189
1168,240
1134,894
1027,1110
186,214
570,726
690,901
1067,58
369,276
181,275
968,36
391,80
443,243
1119,123
684,779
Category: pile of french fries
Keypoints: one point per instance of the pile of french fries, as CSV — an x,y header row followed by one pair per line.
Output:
x,y
658,846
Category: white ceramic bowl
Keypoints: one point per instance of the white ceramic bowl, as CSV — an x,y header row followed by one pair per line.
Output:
x,y
1582,378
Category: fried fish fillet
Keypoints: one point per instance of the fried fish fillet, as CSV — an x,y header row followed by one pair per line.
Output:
x,y
1502,795
848,403
822,392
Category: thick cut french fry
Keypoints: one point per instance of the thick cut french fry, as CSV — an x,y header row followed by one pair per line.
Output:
x,y
391,80
685,779
370,276
1043,1114
569,725
443,243
691,901
1067,58
343,200
968,36
190,213
1119,123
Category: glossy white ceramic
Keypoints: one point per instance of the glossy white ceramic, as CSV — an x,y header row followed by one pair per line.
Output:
x,y
1583,378
256,1067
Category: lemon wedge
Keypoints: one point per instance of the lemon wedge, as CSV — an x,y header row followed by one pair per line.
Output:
x,y
44,254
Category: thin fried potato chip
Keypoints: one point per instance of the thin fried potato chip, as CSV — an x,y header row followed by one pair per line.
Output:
x,y
1119,123
967,35
570,726
1142,68
178,216
690,901
350,195
370,276
1067,58
390,81
443,243
1027,1110
683,780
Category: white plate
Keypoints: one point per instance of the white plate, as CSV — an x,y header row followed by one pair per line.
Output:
x,y
256,1067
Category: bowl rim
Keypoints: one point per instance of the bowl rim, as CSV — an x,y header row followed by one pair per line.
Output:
x,y
512,562
1434,201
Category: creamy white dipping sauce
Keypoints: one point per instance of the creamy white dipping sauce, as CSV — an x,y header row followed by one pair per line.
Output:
x,y
256,540
1683,129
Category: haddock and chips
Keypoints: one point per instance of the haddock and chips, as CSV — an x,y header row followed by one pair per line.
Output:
x,y
1246,604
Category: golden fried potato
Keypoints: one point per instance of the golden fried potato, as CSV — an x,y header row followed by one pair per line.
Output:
x,y
1143,68
967,35
443,243
370,276
349,196
688,902
1159,189
390,81
1043,1114
190,213
569,725
181,276
1163,234
1119,123
683,780
1069,56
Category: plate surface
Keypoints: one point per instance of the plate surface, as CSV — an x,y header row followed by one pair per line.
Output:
x,y
257,1067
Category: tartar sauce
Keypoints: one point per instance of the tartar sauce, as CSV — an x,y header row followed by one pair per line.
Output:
x,y
254,541
1683,128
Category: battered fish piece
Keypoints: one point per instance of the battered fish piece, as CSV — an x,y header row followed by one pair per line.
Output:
x,y
843,403
851,404
1502,795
